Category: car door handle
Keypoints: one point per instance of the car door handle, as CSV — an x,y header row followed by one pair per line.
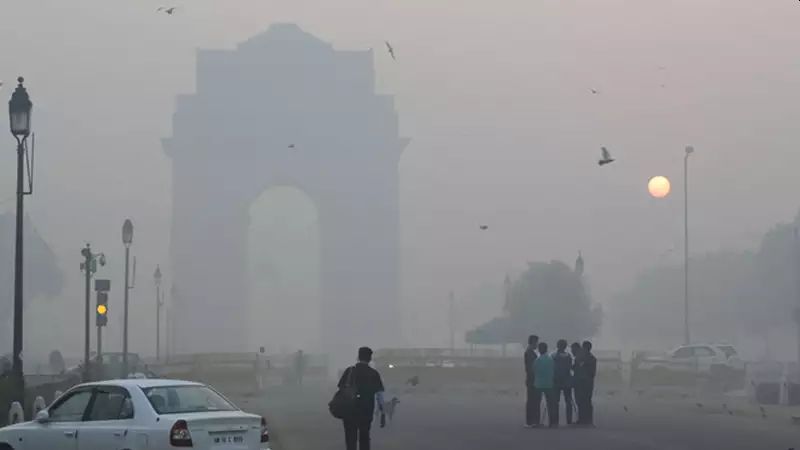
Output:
x,y
70,434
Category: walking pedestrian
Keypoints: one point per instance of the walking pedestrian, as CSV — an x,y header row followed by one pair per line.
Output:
x,y
369,389
562,379
585,372
544,370
531,406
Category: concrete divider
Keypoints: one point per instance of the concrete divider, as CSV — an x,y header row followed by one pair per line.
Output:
x,y
38,405
773,383
15,413
438,368
237,373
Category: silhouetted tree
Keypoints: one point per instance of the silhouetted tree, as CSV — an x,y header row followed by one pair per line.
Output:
x,y
733,294
549,299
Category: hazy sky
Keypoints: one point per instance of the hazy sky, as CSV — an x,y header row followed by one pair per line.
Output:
x,y
495,96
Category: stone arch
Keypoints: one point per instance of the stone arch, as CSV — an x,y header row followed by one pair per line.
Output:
x,y
285,108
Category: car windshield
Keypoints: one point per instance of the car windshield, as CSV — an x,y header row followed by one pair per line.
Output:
x,y
186,399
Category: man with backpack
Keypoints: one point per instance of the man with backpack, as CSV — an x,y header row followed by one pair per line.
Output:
x,y
362,385
562,378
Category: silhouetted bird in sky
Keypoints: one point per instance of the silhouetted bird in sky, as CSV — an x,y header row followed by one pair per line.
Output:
x,y
291,145
484,227
606,157
168,9
594,91
625,408
699,405
391,49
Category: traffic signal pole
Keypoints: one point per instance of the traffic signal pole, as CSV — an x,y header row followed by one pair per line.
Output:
x,y
87,270
99,344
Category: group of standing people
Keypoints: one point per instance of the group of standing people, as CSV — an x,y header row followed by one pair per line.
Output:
x,y
557,375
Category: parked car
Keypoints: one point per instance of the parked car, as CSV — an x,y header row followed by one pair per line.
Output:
x,y
705,359
139,413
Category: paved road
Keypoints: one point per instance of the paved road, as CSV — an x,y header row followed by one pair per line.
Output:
x,y
299,421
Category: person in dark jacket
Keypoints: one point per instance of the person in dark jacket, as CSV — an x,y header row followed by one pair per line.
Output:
x,y
585,370
562,378
531,403
369,388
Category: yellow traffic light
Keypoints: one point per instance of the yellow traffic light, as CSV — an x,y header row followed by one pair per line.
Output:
x,y
102,309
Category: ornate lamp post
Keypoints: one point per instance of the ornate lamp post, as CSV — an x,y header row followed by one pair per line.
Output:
x,y
19,113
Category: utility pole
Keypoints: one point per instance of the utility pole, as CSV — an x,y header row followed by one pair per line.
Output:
x,y
452,320
159,303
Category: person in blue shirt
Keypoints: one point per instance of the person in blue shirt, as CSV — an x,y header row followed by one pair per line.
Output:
x,y
544,372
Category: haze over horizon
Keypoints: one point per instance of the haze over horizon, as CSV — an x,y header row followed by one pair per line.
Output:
x,y
504,135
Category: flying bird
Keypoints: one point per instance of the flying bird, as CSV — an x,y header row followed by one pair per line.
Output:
x,y
484,227
699,405
625,408
594,91
606,157
169,10
291,145
391,50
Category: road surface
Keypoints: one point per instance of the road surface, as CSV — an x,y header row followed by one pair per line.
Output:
x,y
299,421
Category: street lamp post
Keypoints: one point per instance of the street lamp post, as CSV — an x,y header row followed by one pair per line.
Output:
x,y
127,240
451,307
686,335
159,303
19,113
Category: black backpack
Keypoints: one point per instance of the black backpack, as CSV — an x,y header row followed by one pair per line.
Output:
x,y
343,403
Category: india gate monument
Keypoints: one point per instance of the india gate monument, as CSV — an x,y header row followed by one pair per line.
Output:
x,y
285,109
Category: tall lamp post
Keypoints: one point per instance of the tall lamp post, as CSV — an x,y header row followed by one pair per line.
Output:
x,y
19,113
797,288
686,335
127,240
159,303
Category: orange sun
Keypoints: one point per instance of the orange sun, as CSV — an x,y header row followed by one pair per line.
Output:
x,y
658,186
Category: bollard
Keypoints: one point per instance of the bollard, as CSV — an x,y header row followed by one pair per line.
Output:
x,y
38,405
15,414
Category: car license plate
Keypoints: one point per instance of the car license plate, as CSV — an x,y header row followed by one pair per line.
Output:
x,y
232,439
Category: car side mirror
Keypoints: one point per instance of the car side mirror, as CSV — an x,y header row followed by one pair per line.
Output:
x,y
42,416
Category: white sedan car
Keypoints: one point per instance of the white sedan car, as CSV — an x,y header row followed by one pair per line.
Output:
x,y
139,414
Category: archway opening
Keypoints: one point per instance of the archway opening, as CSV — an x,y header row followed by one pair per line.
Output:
x,y
284,271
